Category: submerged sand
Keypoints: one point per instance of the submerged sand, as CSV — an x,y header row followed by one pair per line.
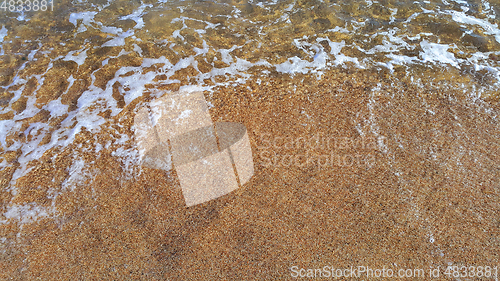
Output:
x,y
425,193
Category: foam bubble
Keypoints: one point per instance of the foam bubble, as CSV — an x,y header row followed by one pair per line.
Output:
x,y
86,17
3,33
77,175
437,53
26,213
136,16
79,58
56,108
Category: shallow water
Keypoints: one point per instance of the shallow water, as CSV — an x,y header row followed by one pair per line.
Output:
x,y
71,78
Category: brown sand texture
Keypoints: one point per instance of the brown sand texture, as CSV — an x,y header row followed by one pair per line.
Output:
x,y
353,169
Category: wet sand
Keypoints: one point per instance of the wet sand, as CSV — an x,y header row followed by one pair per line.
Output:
x,y
428,198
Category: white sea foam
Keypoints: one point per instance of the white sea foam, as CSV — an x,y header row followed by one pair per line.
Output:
x,y
136,16
86,17
3,33
437,53
27,213
77,175
488,28
79,58
119,40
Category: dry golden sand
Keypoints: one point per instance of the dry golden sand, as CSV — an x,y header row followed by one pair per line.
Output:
x,y
436,178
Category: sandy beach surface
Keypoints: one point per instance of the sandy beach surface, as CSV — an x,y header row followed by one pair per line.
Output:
x,y
422,193
357,166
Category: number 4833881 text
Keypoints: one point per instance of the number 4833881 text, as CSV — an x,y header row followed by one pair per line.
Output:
x,y
27,5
